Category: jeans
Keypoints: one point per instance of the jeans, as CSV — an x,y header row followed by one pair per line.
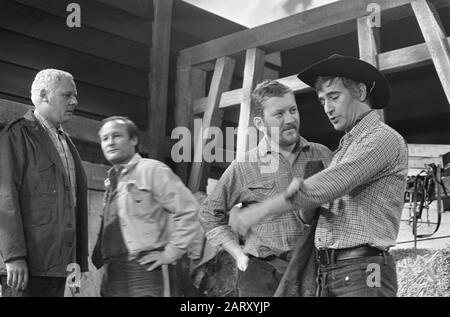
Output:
x,y
128,278
373,276
38,286
260,279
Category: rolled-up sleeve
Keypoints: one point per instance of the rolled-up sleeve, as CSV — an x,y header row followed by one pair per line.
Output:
x,y
175,197
214,212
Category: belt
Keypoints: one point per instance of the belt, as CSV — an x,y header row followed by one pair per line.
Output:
x,y
331,256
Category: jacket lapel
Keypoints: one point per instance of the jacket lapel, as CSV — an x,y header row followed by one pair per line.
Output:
x,y
46,142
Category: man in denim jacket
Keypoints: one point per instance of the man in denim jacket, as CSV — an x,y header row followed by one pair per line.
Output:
x,y
149,216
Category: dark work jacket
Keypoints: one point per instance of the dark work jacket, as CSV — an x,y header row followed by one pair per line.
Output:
x,y
37,221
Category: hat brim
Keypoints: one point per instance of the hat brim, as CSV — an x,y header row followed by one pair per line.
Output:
x,y
352,68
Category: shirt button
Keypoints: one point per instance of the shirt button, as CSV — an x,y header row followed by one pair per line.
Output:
x,y
69,225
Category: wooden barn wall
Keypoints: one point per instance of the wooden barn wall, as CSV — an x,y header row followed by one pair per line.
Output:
x,y
111,71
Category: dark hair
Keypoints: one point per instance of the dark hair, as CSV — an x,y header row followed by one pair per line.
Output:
x,y
267,89
132,129
350,84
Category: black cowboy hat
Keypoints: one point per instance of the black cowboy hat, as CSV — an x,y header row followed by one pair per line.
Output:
x,y
352,68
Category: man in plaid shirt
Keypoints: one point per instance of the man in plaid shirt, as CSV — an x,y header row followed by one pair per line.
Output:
x,y
361,192
265,172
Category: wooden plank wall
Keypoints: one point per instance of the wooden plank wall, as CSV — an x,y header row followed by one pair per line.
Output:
x,y
110,70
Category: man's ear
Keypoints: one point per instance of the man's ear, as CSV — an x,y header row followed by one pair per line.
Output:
x,y
134,141
259,124
362,92
44,95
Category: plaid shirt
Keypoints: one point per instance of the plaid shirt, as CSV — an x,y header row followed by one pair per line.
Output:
x,y
58,137
364,184
265,173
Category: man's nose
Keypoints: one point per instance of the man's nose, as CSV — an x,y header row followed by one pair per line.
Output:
x,y
328,107
289,118
107,141
74,101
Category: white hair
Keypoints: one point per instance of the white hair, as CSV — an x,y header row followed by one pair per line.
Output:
x,y
44,80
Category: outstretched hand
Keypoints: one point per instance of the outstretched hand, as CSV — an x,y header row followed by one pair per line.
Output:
x,y
293,187
242,219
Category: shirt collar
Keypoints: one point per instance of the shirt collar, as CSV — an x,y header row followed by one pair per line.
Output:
x,y
46,124
364,123
265,146
125,168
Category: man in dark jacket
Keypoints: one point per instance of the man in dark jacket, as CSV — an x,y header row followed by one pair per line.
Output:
x,y
43,194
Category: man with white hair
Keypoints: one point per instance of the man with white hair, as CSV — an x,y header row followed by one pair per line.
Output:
x,y
43,194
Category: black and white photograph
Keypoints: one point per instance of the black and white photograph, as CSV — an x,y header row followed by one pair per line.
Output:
x,y
227,154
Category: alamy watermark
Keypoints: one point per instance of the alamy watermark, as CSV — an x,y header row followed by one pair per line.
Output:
x,y
374,18
74,277
74,18
206,143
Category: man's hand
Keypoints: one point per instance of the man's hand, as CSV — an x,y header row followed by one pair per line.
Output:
x,y
158,258
293,187
17,274
242,262
242,219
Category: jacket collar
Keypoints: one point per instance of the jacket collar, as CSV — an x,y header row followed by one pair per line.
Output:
x,y
42,137
123,168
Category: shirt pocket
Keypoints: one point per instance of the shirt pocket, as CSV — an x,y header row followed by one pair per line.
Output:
x,y
260,191
140,200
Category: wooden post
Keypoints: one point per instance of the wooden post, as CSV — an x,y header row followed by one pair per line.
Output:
x,y
212,117
369,45
159,78
253,72
191,85
436,40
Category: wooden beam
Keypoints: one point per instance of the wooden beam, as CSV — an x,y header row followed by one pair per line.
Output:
x,y
104,17
435,38
404,58
159,78
296,30
234,97
253,72
369,46
389,62
428,150
221,81
79,128
190,85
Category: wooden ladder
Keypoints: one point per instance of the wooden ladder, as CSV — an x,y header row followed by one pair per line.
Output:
x,y
191,79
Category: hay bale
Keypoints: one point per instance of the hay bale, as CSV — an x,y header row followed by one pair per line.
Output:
x,y
423,273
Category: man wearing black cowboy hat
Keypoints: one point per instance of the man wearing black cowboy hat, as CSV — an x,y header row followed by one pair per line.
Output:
x,y
361,192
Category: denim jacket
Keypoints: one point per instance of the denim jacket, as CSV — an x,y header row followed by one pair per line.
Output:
x,y
156,210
